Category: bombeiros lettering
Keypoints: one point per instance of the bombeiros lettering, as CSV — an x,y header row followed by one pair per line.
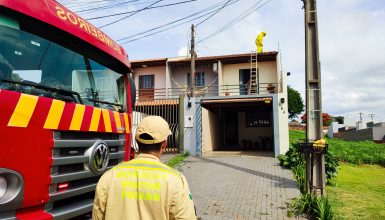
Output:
x,y
87,27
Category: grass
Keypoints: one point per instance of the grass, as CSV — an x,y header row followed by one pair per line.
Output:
x,y
359,189
359,193
356,152
176,160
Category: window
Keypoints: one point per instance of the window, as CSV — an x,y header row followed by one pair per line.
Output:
x,y
199,79
146,81
146,87
258,119
34,65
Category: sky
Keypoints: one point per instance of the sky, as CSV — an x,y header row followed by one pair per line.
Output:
x,y
351,42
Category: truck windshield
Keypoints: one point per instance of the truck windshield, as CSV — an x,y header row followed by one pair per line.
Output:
x,y
33,61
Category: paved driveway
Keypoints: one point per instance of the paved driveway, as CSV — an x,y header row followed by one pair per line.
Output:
x,y
239,186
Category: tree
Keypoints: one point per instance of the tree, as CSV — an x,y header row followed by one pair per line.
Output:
x,y
339,119
326,119
295,103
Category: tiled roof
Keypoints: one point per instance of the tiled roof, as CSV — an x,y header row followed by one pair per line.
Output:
x,y
148,62
226,59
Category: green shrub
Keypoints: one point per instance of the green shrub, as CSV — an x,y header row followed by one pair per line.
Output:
x,y
356,152
294,158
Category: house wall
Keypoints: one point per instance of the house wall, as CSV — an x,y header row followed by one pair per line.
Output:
x,y
360,135
267,74
179,74
378,133
281,128
159,80
211,131
251,133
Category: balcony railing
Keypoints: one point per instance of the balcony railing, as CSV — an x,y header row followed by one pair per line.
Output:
x,y
207,91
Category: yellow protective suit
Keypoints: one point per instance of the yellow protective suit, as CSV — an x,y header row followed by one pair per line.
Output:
x,y
259,41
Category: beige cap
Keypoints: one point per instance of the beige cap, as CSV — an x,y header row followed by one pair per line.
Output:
x,y
155,126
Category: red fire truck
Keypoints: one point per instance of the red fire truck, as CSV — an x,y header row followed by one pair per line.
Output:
x,y
65,110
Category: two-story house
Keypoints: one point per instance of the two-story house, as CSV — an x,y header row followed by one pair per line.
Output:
x,y
238,104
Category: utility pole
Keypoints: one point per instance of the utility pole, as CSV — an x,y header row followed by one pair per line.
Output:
x,y
361,116
372,116
315,163
192,51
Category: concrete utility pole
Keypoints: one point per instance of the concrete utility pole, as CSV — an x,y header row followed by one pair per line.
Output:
x,y
372,116
314,162
192,51
361,116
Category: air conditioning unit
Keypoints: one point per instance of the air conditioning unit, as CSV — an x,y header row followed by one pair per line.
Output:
x,y
215,67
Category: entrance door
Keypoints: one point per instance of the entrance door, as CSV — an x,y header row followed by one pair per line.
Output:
x,y
244,78
231,128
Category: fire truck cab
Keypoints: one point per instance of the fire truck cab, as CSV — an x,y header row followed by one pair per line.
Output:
x,y
65,110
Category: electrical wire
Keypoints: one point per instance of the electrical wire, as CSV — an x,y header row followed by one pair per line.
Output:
x,y
98,8
210,9
127,12
242,16
108,24
216,12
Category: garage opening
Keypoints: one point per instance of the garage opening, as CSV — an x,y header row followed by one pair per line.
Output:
x,y
237,125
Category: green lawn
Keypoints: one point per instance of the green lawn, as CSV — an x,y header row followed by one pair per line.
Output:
x,y
359,193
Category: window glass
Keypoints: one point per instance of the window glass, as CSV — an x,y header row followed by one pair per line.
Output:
x,y
146,81
33,65
199,79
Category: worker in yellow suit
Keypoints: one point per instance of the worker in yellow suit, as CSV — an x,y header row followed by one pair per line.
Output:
x,y
259,41
144,188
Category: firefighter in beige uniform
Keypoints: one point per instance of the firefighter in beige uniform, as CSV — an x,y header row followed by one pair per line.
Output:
x,y
144,188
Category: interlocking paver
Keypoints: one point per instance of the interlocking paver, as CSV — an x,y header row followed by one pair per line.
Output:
x,y
239,187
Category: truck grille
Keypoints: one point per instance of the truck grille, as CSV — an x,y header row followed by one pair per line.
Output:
x,y
70,166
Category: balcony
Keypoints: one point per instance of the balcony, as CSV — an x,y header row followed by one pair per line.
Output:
x,y
208,91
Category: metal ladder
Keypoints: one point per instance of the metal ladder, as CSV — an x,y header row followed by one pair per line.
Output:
x,y
253,87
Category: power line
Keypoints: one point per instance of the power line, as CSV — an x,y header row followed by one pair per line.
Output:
x,y
130,14
242,16
98,8
127,12
210,9
220,9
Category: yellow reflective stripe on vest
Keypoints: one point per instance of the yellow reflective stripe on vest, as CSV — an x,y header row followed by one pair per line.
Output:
x,y
139,161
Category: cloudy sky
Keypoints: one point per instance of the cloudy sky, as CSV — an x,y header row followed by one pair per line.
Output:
x,y
351,38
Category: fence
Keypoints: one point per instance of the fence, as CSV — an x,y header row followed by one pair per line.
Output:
x,y
166,108
207,91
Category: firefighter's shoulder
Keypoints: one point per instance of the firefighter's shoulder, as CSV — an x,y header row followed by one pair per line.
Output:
x,y
147,165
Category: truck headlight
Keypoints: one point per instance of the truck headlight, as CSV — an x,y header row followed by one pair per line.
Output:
x,y
11,190
3,186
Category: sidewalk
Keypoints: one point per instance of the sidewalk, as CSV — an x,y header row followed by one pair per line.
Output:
x,y
239,187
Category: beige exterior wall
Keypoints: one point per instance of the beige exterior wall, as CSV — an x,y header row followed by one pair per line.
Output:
x,y
158,71
268,73
211,131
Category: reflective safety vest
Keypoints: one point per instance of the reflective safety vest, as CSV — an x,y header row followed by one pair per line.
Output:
x,y
143,188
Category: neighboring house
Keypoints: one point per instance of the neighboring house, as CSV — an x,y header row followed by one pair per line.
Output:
x,y
234,106
362,132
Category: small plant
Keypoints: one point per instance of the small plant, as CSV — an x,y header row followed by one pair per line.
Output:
x,y
312,206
